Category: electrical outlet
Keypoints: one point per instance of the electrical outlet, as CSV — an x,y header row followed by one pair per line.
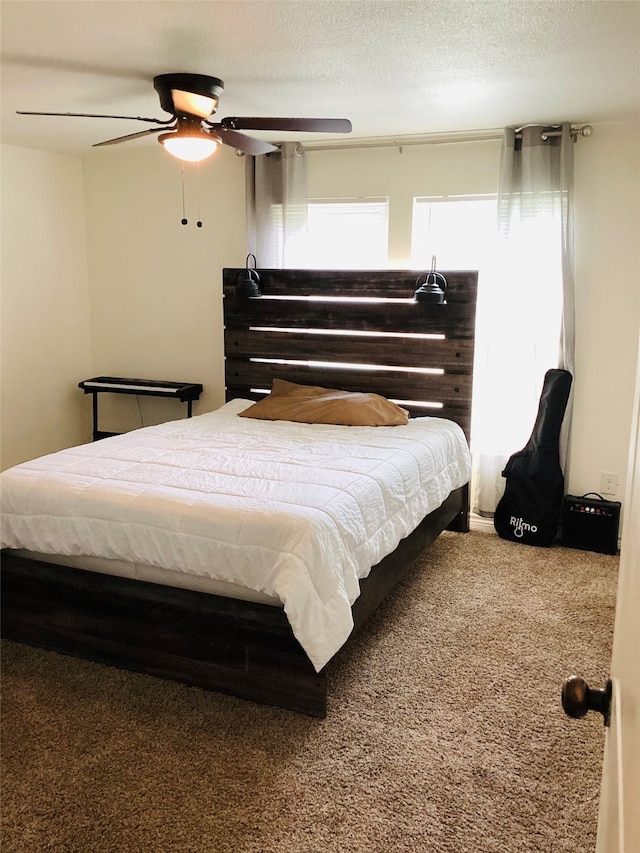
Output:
x,y
608,483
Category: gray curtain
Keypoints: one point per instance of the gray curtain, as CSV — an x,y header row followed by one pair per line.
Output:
x,y
526,304
276,202
536,179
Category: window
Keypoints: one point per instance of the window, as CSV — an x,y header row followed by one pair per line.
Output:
x,y
460,231
348,233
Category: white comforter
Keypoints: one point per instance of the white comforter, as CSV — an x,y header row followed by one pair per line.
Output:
x,y
296,511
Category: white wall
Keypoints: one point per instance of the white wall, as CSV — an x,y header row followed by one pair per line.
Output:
x,y
45,328
607,272
156,285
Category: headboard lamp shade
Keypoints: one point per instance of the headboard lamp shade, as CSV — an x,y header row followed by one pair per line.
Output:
x,y
429,290
189,145
248,281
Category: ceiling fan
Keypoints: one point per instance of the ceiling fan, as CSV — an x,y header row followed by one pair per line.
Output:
x,y
191,100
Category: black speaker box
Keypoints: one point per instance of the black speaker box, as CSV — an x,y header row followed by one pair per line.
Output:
x,y
590,523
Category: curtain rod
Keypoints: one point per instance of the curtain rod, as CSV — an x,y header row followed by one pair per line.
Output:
x,y
585,130
439,139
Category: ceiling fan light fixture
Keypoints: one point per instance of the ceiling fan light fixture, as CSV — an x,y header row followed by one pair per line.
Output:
x,y
190,147
177,90
193,103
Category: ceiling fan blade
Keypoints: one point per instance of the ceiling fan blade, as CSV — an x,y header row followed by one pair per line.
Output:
x,y
134,135
318,125
243,143
93,115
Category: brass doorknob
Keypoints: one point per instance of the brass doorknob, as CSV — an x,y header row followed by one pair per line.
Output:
x,y
578,698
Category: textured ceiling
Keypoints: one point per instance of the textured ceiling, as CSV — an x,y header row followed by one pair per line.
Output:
x,y
394,67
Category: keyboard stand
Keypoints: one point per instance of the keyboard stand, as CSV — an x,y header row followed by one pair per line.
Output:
x,y
185,392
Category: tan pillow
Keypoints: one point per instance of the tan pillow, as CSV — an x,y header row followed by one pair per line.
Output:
x,y
311,404
284,388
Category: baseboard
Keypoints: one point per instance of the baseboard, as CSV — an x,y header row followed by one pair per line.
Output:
x,y
478,522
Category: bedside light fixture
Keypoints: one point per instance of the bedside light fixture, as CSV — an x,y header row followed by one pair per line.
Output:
x,y
248,281
428,289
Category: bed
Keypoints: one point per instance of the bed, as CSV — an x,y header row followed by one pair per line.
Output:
x,y
175,610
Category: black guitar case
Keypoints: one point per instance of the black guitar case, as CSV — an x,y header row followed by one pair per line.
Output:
x,y
530,509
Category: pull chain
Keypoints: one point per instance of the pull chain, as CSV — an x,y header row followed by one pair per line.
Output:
x,y
184,218
199,222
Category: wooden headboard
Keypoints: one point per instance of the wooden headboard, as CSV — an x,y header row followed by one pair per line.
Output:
x,y
355,330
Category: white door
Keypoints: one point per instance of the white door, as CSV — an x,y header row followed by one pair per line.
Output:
x,y
619,815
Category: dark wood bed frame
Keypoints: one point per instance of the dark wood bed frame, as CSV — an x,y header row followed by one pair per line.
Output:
x,y
238,647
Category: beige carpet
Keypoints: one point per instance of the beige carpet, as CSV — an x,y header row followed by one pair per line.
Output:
x,y
444,732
